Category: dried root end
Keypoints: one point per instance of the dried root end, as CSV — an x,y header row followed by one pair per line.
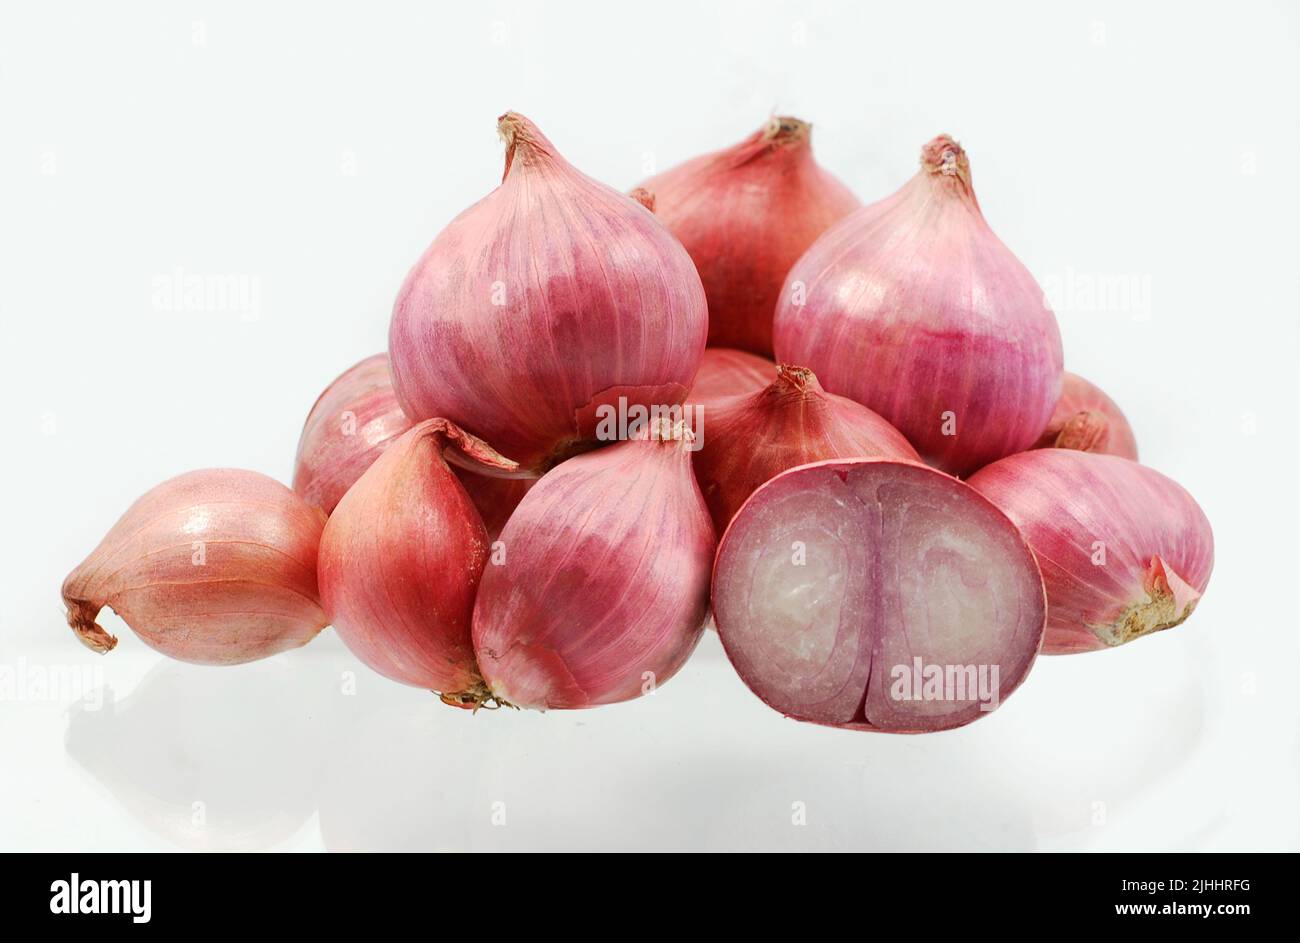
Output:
x,y
476,696
81,619
1169,602
783,129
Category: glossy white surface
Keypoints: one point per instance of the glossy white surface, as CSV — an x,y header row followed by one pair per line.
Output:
x,y
312,152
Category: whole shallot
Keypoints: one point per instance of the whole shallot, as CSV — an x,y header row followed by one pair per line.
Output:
x,y
549,301
215,567
746,214
601,588
352,422
1124,550
401,559
913,307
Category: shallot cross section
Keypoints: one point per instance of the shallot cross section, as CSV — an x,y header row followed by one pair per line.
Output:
x,y
877,595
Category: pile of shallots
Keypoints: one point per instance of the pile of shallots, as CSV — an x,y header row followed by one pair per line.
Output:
x,y
843,431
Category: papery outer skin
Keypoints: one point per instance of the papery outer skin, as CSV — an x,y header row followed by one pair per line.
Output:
x,y
1070,506
604,586
869,648
725,372
214,567
351,423
495,498
594,299
913,307
750,439
746,214
1083,404
400,562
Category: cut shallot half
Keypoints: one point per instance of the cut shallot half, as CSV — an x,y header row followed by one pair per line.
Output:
x,y
877,595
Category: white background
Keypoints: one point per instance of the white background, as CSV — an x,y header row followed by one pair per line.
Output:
x,y
313,150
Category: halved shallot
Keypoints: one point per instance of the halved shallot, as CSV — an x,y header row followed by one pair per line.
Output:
x,y
601,588
1124,550
215,567
877,595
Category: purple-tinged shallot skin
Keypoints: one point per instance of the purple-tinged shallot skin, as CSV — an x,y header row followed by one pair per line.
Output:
x,y
842,587
1124,550
214,567
1087,420
551,297
745,214
913,307
352,422
725,372
750,439
600,590
401,558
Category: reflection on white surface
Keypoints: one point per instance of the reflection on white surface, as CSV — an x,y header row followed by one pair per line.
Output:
x,y
209,759
242,758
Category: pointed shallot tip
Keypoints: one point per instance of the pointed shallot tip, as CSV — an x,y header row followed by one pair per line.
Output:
x,y
943,155
644,197
788,376
1085,431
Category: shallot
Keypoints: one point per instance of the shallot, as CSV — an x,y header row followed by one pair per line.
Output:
x,y
552,299
216,567
913,307
401,558
751,438
877,595
601,588
1124,550
352,422
745,214
725,372
1088,420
